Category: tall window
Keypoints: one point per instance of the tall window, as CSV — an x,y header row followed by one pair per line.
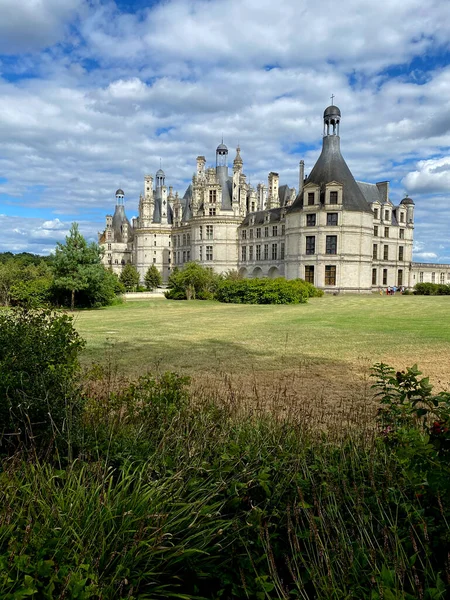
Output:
x,y
400,277
209,232
251,233
333,197
250,253
274,231
311,220
402,217
442,278
375,230
200,252
386,232
400,253
283,229
421,277
274,251
385,252
282,251
375,251
244,253
331,244
309,273
258,232
184,256
330,275
433,277
374,277
375,213
188,239
258,251
332,218
266,232
384,276
212,212
188,255
266,251
244,234
310,244
386,215
402,234
310,198
184,239
209,252
212,196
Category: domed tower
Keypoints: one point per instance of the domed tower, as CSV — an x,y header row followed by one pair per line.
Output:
x,y
119,197
222,155
160,178
408,203
331,120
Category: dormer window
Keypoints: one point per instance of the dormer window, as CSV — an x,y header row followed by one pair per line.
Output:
x,y
386,215
310,198
333,197
212,196
375,213
402,217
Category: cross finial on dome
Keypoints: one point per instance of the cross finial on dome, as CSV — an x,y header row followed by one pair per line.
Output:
x,y
332,99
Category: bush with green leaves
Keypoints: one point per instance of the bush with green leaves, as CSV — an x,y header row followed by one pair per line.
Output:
x,y
266,291
39,353
431,289
152,278
192,282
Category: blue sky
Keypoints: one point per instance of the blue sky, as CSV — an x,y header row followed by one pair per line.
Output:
x,y
94,92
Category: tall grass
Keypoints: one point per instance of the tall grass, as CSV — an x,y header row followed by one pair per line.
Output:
x,y
180,497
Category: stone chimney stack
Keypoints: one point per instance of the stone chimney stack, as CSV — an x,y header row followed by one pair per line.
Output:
x,y
301,175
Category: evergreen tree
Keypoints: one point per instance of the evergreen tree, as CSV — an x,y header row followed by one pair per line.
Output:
x,y
152,278
129,277
77,264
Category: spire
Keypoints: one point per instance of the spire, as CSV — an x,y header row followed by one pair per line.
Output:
x,y
238,162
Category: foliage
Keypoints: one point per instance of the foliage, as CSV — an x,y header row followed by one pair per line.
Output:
x,y
266,291
38,366
431,289
186,499
152,278
192,282
77,267
129,277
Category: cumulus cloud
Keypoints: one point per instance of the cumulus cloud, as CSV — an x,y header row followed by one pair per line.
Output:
x,y
118,91
431,176
30,25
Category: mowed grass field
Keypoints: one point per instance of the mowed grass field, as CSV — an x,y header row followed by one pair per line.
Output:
x,y
327,345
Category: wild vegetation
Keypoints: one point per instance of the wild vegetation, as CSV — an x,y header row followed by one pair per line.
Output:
x,y
141,490
73,276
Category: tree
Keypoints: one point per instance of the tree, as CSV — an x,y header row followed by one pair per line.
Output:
x,y
193,281
77,264
152,278
129,277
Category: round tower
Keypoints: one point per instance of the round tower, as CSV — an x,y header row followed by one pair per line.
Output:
x,y
331,120
119,197
222,155
160,178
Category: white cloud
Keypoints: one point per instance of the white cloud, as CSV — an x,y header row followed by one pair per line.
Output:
x,y
29,25
431,176
175,77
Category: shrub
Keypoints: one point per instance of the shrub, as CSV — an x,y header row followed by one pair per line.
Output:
x,y
431,289
35,293
38,366
192,282
265,291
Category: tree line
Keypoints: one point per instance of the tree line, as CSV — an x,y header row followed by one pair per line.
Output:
x,y
74,276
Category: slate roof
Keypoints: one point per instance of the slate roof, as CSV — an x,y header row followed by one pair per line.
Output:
x,y
275,215
119,219
331,166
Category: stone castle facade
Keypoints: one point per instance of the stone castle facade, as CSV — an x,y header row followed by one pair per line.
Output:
x,y
340,234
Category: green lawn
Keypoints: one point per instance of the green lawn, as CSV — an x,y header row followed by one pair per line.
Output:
x,y
332,334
